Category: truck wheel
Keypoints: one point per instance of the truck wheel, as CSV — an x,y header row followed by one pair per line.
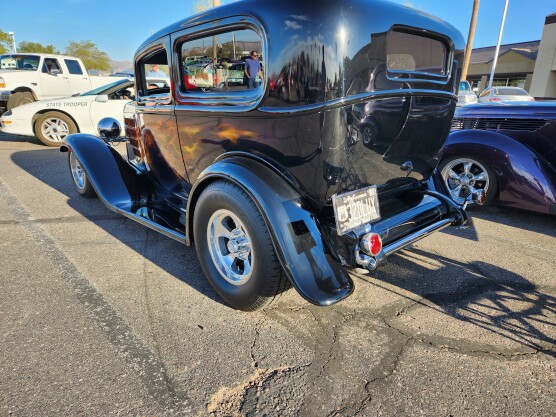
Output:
x,y
235,249
52,127
18,99
80,179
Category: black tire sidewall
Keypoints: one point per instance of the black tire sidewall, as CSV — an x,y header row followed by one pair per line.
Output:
x,y
222,195
40,120
492,192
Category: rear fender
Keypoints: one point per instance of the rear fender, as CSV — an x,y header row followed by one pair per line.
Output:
x,y
296,234
116,182
524,179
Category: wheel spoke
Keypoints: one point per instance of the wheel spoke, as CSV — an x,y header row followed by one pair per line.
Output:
x,y
221,230
453,175
480,177
467,167
457,190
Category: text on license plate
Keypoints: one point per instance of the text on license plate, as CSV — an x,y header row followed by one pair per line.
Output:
x,y
355,208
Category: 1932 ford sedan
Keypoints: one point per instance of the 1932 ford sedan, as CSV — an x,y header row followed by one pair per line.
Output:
x,y
277,187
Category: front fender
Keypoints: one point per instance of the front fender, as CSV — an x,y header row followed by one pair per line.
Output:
x,y
116,182
525,180
296,234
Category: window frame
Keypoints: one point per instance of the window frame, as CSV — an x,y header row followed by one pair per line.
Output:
x,y
422,76
221,101
66,60
141,77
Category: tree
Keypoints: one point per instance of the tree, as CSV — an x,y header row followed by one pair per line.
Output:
x,y
5,42
38,48
88,52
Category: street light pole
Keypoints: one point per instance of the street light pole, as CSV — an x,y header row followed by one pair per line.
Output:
x,y
13,40
498,45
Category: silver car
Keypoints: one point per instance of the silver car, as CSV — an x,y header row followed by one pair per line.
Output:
x,y
504,94
465,95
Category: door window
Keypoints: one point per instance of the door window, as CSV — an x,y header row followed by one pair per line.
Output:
x,y
73,66
222,63
51,65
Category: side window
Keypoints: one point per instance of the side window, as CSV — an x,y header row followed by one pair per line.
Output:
x,y
73,66
51,66
155,74
226,61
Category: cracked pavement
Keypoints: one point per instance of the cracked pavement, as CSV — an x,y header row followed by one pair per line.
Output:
x,y
100,316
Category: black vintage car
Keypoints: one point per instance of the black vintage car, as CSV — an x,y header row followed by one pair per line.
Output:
x,y
279,189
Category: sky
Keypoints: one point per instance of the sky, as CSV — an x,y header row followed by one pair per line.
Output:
x,y
119,27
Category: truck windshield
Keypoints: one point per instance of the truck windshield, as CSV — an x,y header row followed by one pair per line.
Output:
x,y
19,62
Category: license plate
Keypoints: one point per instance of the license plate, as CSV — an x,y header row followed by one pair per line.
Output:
x,y
355,208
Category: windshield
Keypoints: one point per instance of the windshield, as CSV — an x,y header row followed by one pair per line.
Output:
x,y
104,89
464,86
511,92
19,62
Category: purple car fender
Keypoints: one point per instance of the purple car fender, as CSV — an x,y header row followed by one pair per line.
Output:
x,y
525,180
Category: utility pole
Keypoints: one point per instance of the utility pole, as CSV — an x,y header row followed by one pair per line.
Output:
x,y
498,45
470,37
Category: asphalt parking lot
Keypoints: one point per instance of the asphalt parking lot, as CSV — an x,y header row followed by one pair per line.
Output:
x,y
100,316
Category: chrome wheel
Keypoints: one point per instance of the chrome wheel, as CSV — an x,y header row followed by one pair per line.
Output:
x,y
54,129
464,176
230,247
367,136
77,172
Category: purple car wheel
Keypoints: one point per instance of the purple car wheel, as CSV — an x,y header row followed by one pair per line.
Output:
x,y
465,175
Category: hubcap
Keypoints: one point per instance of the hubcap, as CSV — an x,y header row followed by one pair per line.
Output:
x,y
367,136
54,129
77,171
230,247
464,176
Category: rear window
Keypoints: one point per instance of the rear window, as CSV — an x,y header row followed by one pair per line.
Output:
x,y
511,92
407,52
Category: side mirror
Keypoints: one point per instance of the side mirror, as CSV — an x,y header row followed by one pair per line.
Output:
x,y
102,98
109,129
54,72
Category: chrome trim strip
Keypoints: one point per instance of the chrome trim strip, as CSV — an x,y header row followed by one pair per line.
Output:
x,y
358,98
414,237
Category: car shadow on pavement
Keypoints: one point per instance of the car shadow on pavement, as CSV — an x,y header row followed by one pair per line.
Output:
x,y
505,310
51,167
527,220
7,137
490,298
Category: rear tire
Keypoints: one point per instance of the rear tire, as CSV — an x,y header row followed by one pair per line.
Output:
x,y
80,178
235,248
19,99
53,127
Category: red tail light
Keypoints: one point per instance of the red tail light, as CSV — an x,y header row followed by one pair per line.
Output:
x,y
371,243
495,99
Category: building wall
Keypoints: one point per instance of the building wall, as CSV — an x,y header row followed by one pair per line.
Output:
x,y
544,75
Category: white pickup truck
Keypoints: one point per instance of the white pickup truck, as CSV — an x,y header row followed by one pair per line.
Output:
x,y
25,78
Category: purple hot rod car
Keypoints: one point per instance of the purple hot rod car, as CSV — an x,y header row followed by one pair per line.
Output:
x,y
508,150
